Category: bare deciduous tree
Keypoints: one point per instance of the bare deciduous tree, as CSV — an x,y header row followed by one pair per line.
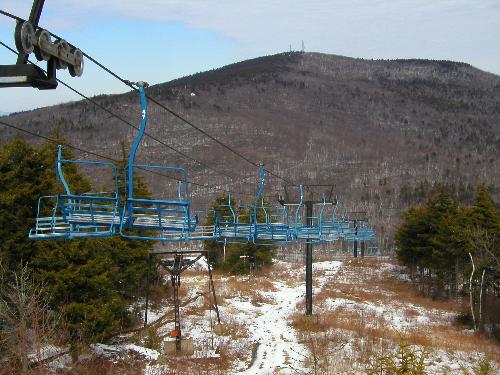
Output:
x,y
485,258
28,327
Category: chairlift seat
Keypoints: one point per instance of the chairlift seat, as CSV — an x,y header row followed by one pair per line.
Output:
x,y
49,227
89,209
165,220
272,232
233,232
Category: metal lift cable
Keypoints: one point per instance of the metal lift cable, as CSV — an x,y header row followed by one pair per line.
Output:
x,y
127,122
172,112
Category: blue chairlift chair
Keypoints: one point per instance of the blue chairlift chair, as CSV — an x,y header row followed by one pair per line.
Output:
x,y
155,219
365,232
359,231
91,214
233,226
351,234
345,226
311,233
330,227
270,224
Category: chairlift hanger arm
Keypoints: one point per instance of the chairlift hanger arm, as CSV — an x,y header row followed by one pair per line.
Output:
x,y
144,121
60,174
262,181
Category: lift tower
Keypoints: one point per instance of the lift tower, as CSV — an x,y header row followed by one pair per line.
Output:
x,y
175,263
312,195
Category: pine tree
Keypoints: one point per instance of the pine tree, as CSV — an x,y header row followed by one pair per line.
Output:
x,y
216,249
240,258
91,281
431,238
22,179
411,239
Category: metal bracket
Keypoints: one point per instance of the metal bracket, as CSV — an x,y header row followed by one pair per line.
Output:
x,y
20,75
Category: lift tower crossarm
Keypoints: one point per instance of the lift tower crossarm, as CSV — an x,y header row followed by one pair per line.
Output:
x,y
309,196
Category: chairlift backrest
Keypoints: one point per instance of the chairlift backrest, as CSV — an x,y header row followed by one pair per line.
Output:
x,y
235,228
270,224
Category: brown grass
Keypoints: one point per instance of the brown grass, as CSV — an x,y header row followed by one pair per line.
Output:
x,y
325,354
373,327
100,366
259,299
235,328
290,272
360,281
246,287
450,338
199,366
407,293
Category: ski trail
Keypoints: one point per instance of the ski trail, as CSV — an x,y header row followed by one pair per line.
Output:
x,y
277,341
278,350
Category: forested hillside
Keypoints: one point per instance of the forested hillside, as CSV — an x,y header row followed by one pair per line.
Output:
x,y
385,132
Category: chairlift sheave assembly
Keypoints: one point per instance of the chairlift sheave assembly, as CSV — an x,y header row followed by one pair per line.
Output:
x,y
28,38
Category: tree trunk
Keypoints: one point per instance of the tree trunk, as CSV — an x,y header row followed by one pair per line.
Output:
x,y
422,280
471,292
429,283
480,322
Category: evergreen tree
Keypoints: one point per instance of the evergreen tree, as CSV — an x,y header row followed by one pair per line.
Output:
x,y
413,247
431,239
91,281
484,214
216,249
455,247
240,258
448,251
22,179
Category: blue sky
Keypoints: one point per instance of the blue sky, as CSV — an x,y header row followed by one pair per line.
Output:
x,y
159,40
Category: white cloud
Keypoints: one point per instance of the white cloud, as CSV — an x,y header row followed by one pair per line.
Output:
x,y
446,29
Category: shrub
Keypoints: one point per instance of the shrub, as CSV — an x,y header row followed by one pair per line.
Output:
x,y
406,360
